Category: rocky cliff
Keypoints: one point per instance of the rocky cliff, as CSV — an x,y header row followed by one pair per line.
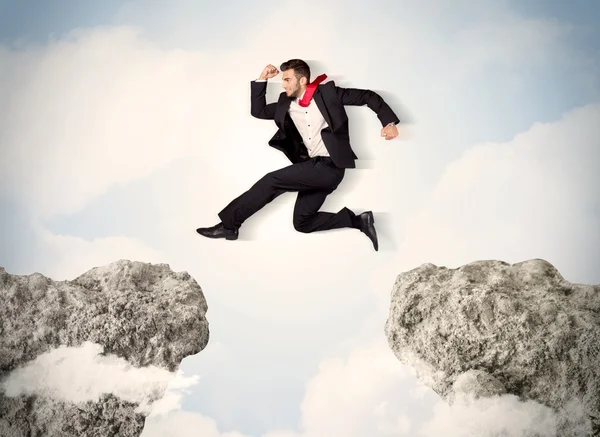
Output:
x,y
142,320
490,328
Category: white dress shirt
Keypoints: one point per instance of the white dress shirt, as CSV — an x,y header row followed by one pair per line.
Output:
x,y
309,121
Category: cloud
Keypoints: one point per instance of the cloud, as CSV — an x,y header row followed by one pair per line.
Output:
x,y
101,107
72,374
63,257
366,392
351,397
534,196
173,396
487,417
185,424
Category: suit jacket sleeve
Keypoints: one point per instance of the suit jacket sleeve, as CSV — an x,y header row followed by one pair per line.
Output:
x,y
360,97
258,101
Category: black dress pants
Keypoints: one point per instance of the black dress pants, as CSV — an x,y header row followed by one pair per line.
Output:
x,y
314,180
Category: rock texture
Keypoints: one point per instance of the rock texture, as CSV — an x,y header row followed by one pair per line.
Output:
x,y
489,328
144,313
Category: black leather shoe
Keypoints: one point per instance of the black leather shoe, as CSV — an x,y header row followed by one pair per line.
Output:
x,y
218,231
367,227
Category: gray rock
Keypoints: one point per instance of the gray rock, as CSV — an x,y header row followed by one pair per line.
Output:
x,y
143,313
489,328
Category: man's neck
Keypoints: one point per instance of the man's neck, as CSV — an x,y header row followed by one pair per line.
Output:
x,y
301,94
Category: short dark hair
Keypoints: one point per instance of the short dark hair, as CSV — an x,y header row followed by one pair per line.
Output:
x,y
300,68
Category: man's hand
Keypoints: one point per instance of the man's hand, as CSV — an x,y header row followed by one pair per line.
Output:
x,y
269,72
389,132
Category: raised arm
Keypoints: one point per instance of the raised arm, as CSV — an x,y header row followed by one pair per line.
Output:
x,y
360,97
258,91
258,101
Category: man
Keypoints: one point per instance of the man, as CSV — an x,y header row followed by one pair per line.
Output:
x,y
313,134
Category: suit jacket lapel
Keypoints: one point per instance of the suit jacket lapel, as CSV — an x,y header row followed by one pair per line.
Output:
x,y
318,98
282,108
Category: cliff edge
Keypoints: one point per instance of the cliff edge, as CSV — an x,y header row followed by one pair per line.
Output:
x,y
63,342
491,328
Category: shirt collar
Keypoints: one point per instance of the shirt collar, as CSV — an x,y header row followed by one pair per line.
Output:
x,y
297,99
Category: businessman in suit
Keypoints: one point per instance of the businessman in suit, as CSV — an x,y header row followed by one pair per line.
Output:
x,y
313,134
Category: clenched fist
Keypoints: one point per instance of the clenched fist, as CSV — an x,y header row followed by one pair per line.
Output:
x,y
269,72
389,132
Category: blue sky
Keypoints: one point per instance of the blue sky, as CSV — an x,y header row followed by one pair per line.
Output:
x,y
115,152
37,20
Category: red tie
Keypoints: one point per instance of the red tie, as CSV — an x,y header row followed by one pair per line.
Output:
x,y
310,90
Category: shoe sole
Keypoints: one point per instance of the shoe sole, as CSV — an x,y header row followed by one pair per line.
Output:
x,y
228,237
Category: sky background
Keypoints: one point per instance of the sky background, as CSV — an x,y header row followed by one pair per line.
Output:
x,y
127,125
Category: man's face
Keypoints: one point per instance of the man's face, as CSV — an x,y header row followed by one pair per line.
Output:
x,y
291,85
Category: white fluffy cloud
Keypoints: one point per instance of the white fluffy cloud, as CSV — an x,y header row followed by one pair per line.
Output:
x,y
357,396
488,417
79,374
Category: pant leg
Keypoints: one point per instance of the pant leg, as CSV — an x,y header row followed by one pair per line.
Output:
x,y
302,176
307,217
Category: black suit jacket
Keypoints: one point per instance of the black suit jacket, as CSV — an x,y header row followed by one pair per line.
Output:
x,y
330,99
